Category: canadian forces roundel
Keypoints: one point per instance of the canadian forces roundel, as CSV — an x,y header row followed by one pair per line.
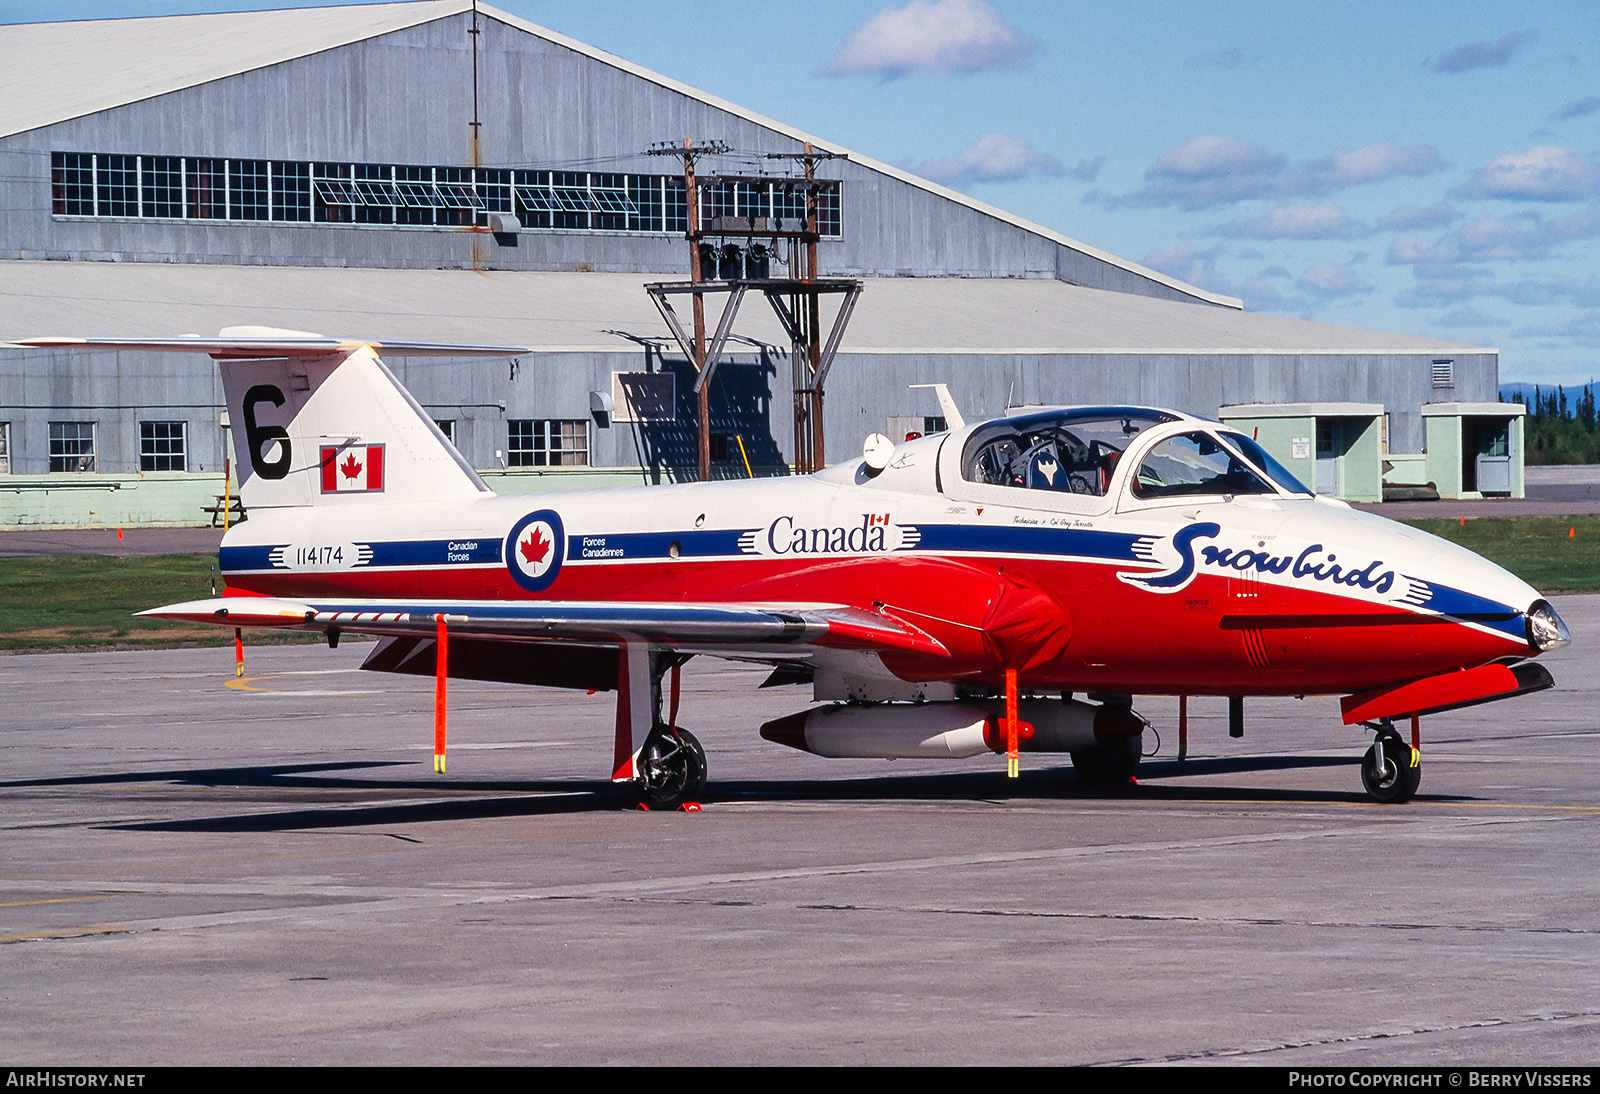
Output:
x,y
535,548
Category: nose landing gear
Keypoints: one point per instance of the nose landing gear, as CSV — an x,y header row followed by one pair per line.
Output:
x,y
1391,770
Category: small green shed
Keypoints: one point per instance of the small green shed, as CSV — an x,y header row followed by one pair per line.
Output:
x,y
1334,448
1475,450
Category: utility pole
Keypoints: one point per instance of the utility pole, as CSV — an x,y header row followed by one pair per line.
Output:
x,y
690,152
796,300
809,444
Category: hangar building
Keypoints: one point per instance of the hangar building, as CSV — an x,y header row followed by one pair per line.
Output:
x,y
429,171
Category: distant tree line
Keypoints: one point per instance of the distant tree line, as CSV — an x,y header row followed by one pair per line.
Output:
x,y
1561,429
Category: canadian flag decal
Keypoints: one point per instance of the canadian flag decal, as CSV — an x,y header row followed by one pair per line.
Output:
x,y
356,468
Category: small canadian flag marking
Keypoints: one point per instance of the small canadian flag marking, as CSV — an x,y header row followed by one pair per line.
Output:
x,y
355,468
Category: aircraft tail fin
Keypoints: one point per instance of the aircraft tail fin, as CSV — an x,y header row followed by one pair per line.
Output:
x,y
322,421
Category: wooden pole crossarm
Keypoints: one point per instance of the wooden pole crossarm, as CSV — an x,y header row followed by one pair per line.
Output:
x,y
835,336
718,340
659,297
790,326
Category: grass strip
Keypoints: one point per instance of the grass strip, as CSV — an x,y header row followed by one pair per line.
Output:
x,y
81,602
1553,554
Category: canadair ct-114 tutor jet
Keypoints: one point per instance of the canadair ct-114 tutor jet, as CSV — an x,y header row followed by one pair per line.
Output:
x,y
945,597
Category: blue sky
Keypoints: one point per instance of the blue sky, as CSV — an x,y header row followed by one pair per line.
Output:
x,y
1427,167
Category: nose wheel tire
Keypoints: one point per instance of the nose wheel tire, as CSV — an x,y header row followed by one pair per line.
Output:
x,y
672,768
1112,763
1391,770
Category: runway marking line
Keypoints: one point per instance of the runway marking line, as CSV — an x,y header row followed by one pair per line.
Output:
x,y
243,684
52,900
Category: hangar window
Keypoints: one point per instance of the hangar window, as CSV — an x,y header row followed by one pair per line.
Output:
x,y
1074,452
205,190
495,186
459,201
72,446
291,191
5,448
644,195
608,194
163,446
676,205
334,195
72,184
117,186
569,199
162,181
247,189
202,188
539,442
372,194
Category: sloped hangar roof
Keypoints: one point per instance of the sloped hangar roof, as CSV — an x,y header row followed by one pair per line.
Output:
x,y
606,312
60,71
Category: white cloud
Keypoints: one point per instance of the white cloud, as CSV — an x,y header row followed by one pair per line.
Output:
x,y
1327,280
1468,316
1208,171
940,36
1494,239
1296,222
1579,108
1088,168
1372,163
1545,172
1187,263
1471,55
993,157
1402,217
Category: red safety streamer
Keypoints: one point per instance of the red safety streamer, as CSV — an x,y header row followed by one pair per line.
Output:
x,y
439,695
1011,723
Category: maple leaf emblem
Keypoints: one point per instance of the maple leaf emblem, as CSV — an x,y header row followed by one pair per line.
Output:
x,y
534,548
351,467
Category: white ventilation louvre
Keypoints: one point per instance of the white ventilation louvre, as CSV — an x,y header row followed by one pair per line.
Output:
x,y
1444,374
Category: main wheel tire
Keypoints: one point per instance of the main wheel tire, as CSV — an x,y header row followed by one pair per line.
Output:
x,y
1110,764
1400,773
672,768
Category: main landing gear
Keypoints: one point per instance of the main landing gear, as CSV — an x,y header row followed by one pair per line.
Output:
x,y
672,768
664,762
1391,770
1111,763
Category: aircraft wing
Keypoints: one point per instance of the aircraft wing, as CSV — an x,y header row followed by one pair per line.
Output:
x,y
699,625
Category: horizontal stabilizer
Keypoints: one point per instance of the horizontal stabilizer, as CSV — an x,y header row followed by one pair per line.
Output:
x,y
734,626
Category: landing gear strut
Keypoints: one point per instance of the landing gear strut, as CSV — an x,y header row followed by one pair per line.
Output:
x,y
1391,770
665,763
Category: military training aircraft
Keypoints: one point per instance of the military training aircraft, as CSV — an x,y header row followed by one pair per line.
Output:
x,y
948,596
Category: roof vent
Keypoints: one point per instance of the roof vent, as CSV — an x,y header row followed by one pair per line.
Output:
x,y
1444,373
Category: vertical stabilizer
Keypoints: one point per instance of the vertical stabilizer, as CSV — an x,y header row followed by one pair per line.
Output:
x,y
336,429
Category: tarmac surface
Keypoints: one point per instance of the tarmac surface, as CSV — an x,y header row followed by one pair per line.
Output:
x,y
204,870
